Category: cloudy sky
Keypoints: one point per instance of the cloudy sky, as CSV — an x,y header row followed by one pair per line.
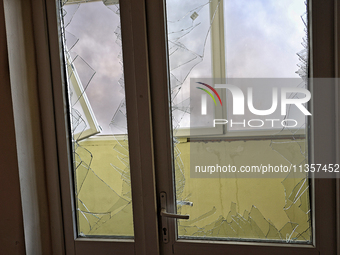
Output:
x,y
262,38
94,25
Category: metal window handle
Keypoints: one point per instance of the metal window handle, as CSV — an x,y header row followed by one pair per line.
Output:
x,y
173,215
165,215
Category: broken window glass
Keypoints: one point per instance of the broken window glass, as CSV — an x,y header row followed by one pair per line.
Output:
x,y
229,39
94,66
203,43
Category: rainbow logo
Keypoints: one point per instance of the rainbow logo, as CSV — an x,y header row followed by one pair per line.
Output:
x,y
209,93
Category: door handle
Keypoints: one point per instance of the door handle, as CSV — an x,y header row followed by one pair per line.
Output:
x,y
165,215
173,215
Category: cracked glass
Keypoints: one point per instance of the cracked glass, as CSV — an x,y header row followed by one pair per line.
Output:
x,y
206,39
94,67
238,39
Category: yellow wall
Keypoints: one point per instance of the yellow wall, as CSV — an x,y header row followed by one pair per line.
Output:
x,y
222,207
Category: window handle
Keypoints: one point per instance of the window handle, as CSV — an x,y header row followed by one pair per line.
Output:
x,y
173,215
165,215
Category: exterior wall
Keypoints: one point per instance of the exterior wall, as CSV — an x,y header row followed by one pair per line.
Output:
x,y
103,179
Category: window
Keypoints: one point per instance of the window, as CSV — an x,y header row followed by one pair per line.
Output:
x,y
226,206
151,152
101,158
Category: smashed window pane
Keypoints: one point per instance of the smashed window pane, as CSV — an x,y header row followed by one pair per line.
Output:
x,y
224,39
94,65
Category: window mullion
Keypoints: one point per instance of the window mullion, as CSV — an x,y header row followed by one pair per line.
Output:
x,y
139,119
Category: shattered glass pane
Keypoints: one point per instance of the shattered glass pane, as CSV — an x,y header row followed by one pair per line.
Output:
x,y
185,56
94,65
239,39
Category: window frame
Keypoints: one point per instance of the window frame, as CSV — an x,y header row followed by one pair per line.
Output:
x,y
57,145
322,65
133,31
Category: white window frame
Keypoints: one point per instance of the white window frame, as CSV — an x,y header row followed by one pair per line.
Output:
x,y
322,65
57,145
